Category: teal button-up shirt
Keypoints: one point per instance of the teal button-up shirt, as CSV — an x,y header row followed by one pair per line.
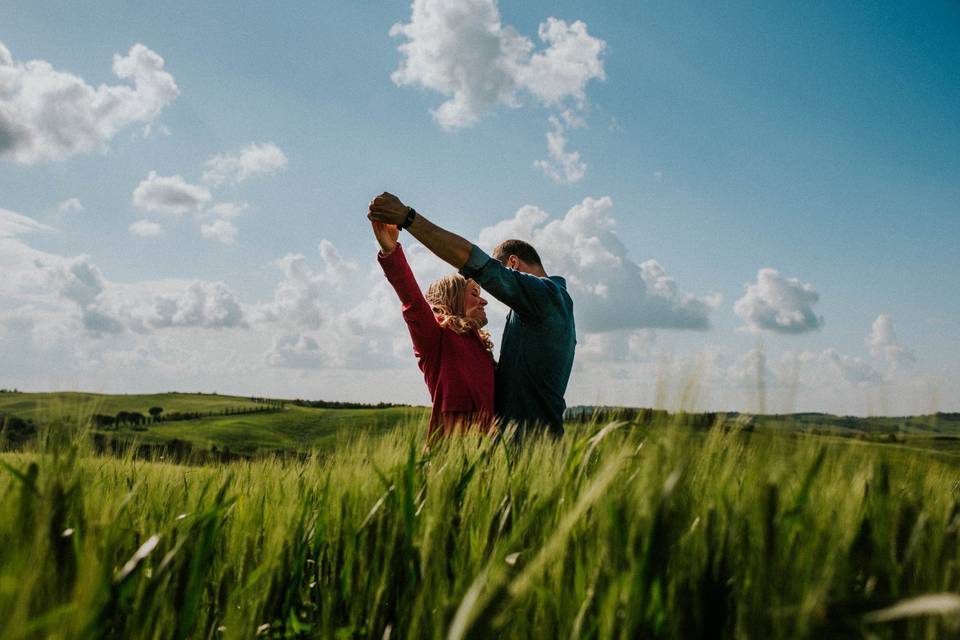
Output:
x,y
539,339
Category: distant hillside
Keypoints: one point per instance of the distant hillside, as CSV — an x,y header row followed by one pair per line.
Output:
x,y
228,426
236,425
937,423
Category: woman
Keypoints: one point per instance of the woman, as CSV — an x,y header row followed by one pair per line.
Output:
x,y
453,351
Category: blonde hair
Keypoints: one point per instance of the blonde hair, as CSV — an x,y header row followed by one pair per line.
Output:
x,y
446,297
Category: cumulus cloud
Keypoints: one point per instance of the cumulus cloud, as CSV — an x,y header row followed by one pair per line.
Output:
x,y
369,335
46,114
572,58
299,298
220,230
750,370
169,194
615,346
81,282
78,280
779,304
460,49
848,368
13,224
204,304
563,167
611,292
106,307
252,160
146,228
228,210
297,351
71,205
882,343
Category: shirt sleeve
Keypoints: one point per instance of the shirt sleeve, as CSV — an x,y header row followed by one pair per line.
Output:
x,y
422,324
523,292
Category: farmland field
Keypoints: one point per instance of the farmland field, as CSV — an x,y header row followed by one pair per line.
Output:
x,y
657,530
245,426
291,428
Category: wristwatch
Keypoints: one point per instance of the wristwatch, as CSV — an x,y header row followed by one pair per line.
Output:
x,y
411,216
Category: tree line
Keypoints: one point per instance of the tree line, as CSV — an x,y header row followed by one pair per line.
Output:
x,y
14,431
333,404
137,419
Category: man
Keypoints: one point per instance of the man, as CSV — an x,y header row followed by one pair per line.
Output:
x,y
536,353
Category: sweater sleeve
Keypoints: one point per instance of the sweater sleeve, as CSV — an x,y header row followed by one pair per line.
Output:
x,y
524,293
422,324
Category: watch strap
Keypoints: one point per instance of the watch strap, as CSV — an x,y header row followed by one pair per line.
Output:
x,y
411,216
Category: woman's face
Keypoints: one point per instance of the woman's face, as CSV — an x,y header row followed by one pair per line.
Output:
x,y
473,304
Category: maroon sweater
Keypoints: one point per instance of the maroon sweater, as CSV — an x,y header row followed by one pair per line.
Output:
x,y
457,367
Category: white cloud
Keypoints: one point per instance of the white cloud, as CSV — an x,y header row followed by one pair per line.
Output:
x,y
751,371
335,267
299,298
779,304
71,205
460,49
78,280
228,210
169,194
221,231
523,225
571,60
60,285
830,366
146,228
615,346
611,292
13,224
882,343
47,114
81,282
563,167
296,352
252,160
204,304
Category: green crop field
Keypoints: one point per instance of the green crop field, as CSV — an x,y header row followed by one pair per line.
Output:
x,y
618,530
292,428
303,428
42,407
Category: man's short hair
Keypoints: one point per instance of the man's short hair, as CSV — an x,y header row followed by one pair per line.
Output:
x,y
519,248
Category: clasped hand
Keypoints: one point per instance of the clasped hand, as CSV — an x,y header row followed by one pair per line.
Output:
x,y
385,213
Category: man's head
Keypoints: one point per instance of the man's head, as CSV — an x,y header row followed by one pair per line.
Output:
x,y
519,255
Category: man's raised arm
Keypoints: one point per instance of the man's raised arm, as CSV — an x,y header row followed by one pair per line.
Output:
x,y
447,246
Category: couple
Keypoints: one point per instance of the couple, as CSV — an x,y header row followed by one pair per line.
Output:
x,y
468,389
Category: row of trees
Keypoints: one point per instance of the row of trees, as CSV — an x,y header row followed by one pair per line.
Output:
x,y
271,402
156,414
329,404
14,431
10,391
124,418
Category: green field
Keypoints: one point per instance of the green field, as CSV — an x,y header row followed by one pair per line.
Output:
x,y
614,531
44,407
298,428
293,428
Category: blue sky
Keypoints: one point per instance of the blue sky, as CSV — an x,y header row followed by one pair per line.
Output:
x,y
815,142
